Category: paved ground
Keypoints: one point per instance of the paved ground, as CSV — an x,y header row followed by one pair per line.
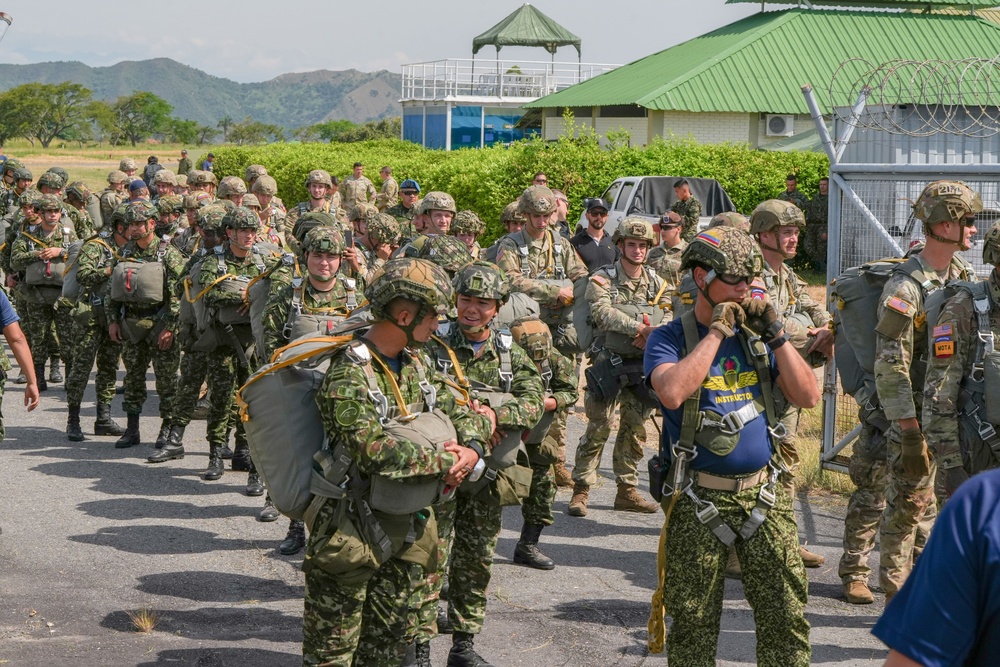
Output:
x,y
91,533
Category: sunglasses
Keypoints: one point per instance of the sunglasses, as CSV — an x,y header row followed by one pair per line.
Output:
x,y
541,181
668,225
733,279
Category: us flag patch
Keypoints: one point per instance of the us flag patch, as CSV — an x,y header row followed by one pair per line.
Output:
x,y
942,330
899,305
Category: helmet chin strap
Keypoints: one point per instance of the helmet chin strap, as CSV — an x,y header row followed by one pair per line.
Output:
x,y
960,243
475,329
409,328
772,249
709,277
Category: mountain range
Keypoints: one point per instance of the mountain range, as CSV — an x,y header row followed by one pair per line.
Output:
x,y
289,100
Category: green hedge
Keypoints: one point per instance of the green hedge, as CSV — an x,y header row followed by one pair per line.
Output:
x,y
486,180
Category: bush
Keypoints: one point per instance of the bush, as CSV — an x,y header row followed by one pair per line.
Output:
x,y
486,180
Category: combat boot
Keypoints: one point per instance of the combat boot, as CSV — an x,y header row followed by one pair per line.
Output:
x,y
444,622
55,372
104,424
295,539
73,431
578,503
809,559
255,486
227,452
563,477
857,592
241,457
269,513
172,449
629,500
161,439
733,568
463,654
423,654
130,437
526,552
215,465
40,377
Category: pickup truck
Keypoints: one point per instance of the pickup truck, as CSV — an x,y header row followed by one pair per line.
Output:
x,y
651,196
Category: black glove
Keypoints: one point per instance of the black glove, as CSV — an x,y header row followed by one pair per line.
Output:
x,y
762,318
726,317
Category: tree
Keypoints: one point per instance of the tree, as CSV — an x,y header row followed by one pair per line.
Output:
x,y
17,114
332,130
205,134
387,128
65,110
181,131
140,115
224,124
250,131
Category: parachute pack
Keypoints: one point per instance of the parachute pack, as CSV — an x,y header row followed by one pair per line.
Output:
x,y
71,288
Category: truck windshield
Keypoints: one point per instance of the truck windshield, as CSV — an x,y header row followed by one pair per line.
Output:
x,y
623,197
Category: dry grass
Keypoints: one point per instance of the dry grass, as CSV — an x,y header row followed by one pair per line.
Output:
x,y
144,620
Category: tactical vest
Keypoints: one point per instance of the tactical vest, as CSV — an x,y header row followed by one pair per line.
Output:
x,y
229,314
645,314
140,282
48,272
304,320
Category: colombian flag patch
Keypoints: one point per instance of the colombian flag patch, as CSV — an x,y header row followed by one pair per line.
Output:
x,y
710,237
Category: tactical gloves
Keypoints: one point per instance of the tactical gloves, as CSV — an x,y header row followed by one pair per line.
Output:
x,y
953,478
916,461
726,317
762,318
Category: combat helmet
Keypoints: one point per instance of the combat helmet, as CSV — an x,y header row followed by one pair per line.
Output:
x,y
438,201
250,201
127,164
320,176
324,239
23,174
730,219
265,185
232,185
947,201
534,336
363,211
775,213
117,176
538,200
49,203
140,211
165,176
254,171
483,280
511,214
634,227
11,164
467,222
448,252
383,228
991,245
313,219
413,279
723,250
50,179
211,216
171,204
241,217
61,173
79,191
29,198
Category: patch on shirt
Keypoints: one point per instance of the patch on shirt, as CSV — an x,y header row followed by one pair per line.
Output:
x,y
942,330
943,348
758,290
899,305
709,236
347,413
599,280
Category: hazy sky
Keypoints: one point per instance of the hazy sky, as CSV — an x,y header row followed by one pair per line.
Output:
x,y
253,40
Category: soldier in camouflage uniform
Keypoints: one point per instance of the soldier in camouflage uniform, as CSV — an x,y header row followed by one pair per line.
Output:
x,y
97,256
468,226
480,351
165,182
625,283
433,218
255,172
792,194
319,184
232,188
409,197
777,226
816,213
665,258
686,210
512,222
272,212
184,165
357,189
20,180
389,195
702,355
947,210
447,252
202,181
128,166
356,613
380,239
147,330
561,393
77,196
953,362
231,361
112,196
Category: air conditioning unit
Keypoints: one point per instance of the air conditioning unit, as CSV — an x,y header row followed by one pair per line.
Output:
x,y
779,125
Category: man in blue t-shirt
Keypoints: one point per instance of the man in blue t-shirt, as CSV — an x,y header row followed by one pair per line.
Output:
x,y
948,611
725,461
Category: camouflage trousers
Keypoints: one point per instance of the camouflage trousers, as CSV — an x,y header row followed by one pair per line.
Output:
x,y
537,507
814,244
774,581
421,619
628,443
43,324
789,448
909,502
194,368
93,343
864,510
225,375
137,357
347,624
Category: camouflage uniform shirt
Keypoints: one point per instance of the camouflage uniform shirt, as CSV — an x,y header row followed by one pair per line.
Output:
x,y
667,262
354,191
279,304
610,287
389,196
690,211
173,264
788,294
541,264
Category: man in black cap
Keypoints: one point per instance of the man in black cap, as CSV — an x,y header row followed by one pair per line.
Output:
x,y
208,164
137,190
593,245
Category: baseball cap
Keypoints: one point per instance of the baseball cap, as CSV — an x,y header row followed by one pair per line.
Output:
x,y
136,185
596,202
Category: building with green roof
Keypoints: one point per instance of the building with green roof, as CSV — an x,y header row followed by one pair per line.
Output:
x,y
743,82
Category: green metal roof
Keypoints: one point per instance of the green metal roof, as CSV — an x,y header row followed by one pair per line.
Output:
x,y
899,4
760,63
526,26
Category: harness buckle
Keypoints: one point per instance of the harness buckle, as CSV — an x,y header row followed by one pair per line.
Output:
x,y
978,374
706,511
731,423
986,430
779,432
767,496
381,406
430,393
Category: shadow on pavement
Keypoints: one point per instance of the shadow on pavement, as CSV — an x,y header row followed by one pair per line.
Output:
x,y
144,479
160,540
206,586
126,509
219,624
206,657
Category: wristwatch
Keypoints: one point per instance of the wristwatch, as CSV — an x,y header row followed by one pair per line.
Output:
x,y
775,343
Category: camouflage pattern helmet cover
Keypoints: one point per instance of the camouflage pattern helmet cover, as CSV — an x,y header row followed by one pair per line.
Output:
x,y
62,173
320,176
197,200
265,185
511,213
467,222
232,185
324,239
10,164
991,245
140,211
947,201
127,164
182,180
482,280
254,171
730,219
534,336
170,204
241,217
165,176
50,179
438,201
413,279
313,219
775,213
634,227
23,173
201,177
79,191
49,203
211,216
447,252
250,201
724,250
384,229
29,198
538,199
117,176
364,211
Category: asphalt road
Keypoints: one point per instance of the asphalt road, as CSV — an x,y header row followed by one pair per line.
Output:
x,y
91,533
